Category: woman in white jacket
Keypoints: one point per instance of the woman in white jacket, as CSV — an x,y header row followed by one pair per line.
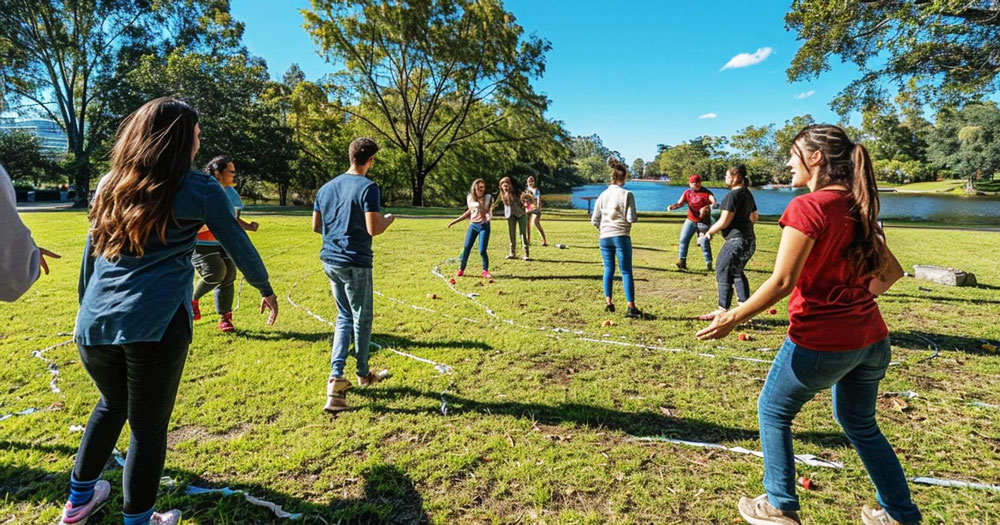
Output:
x,y
613,216
20,260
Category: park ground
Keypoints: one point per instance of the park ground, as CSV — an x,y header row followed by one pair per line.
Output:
x,y
528,425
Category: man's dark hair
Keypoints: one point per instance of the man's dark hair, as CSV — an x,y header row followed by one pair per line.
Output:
x,y
362,150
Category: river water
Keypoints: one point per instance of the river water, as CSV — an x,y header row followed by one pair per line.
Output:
x,y
656,196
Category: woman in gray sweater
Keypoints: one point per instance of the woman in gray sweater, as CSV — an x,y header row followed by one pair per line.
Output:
x,y
20,260
614,213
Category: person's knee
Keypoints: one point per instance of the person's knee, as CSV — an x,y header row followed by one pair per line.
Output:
x,y
855,425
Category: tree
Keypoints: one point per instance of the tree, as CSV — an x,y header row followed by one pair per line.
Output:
x,y
429,75
638,168
24,159
949,45
967,141
62,58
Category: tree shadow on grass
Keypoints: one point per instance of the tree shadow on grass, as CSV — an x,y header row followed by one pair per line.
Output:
x,y
403,343
903,297
390,495
283,335
917,340
638,424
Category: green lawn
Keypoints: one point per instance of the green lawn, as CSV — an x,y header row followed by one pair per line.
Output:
x,y
941,186
540,426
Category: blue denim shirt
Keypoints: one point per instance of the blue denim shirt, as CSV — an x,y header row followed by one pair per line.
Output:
x,y
132,299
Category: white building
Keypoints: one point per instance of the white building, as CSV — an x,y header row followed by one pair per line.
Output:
x,y
49,133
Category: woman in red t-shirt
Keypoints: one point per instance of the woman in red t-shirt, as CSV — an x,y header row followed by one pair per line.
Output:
x,y
834,260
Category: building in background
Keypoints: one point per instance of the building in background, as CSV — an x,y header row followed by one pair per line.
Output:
x,y
51,136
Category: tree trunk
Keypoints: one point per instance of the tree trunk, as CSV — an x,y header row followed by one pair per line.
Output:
x,y
81,180
418,188
283,194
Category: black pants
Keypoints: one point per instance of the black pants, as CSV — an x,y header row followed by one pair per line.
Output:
x,y
138,382
733,258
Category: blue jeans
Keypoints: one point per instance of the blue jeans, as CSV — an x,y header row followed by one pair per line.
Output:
x,y
622,247
352,289
733,259
796,375
687,231
481,230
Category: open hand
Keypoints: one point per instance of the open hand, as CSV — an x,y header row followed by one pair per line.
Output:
x,y
270,303
253,226
719,327
43,253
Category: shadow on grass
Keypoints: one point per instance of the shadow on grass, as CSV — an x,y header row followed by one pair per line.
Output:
x,y
639,424
590,277
939,298
390,495
284,335
917,340
403,343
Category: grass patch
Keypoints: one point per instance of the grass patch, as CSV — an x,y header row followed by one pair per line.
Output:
x,y
940,186
538,428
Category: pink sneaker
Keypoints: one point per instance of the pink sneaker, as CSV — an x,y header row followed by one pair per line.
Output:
x,y
487,275
170,517
81,514
226,323
460,273
196,310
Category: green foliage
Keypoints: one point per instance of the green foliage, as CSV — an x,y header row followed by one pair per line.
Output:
x,y
428,76
966,142
65,59
704,155
25,160
948,46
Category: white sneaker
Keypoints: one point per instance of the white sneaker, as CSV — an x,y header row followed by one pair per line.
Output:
x,y
170,517
870,516
759,511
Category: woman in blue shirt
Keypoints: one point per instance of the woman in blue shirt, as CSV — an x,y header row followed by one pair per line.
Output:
x,y
134,324
216,270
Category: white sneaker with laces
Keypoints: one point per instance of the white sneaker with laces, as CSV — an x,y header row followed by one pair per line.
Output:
x,y
759,511
170,517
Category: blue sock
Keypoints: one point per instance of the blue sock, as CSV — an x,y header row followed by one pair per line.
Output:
x,y
141,518
80,492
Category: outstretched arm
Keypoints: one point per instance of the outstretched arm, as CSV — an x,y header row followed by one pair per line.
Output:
x,y
460,218
792,253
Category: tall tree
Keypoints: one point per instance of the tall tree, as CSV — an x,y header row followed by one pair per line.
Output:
x,y
638,168
428,75
949,45
24,159
62,58
967,141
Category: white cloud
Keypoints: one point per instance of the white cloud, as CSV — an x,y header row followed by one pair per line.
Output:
x,y
707,115
807,94
748,59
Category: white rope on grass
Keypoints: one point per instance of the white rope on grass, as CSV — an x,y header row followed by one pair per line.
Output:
x,y
806,459
955,483
24,412
52,366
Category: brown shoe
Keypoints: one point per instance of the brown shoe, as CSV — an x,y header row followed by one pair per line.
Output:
x,y
681,264
336,394
758,511
372,378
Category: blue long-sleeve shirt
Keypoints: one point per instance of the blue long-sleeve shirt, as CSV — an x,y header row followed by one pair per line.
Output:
x,y
133,299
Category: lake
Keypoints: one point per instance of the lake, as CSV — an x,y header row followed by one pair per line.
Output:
x,y
656,196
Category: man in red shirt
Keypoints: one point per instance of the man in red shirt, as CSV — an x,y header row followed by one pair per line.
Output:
x,y
699,201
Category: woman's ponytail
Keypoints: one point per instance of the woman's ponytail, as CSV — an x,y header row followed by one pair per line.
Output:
x,y
868,251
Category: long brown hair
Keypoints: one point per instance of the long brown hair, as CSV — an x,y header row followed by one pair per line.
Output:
x,y
152,152
848,164
508,197
740,172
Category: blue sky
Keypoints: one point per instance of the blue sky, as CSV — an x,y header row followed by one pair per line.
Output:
x,y
638,73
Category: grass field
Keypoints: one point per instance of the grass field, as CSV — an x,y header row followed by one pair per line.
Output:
x,y
538,426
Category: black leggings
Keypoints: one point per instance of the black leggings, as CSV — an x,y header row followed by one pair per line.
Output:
x,y
138,382
733,258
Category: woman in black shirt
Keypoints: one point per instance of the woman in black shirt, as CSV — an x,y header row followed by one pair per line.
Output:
x,y
739,213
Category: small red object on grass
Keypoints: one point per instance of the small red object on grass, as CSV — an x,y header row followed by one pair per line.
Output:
x,y
452,281
772,311
806,483
743,337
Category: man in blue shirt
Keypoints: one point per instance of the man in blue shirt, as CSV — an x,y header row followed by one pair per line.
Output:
x,y
348,214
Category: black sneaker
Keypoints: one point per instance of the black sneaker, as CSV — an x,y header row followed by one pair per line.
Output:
x,y
681,264
708,266
610,308
633,312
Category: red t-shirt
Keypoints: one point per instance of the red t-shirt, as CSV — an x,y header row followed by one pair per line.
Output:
x,y
696,200
831,308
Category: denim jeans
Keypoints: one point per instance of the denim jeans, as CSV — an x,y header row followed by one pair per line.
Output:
x,y
216,271
733,258
687,231
622,247
481,230
796,375
138,382
352,290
